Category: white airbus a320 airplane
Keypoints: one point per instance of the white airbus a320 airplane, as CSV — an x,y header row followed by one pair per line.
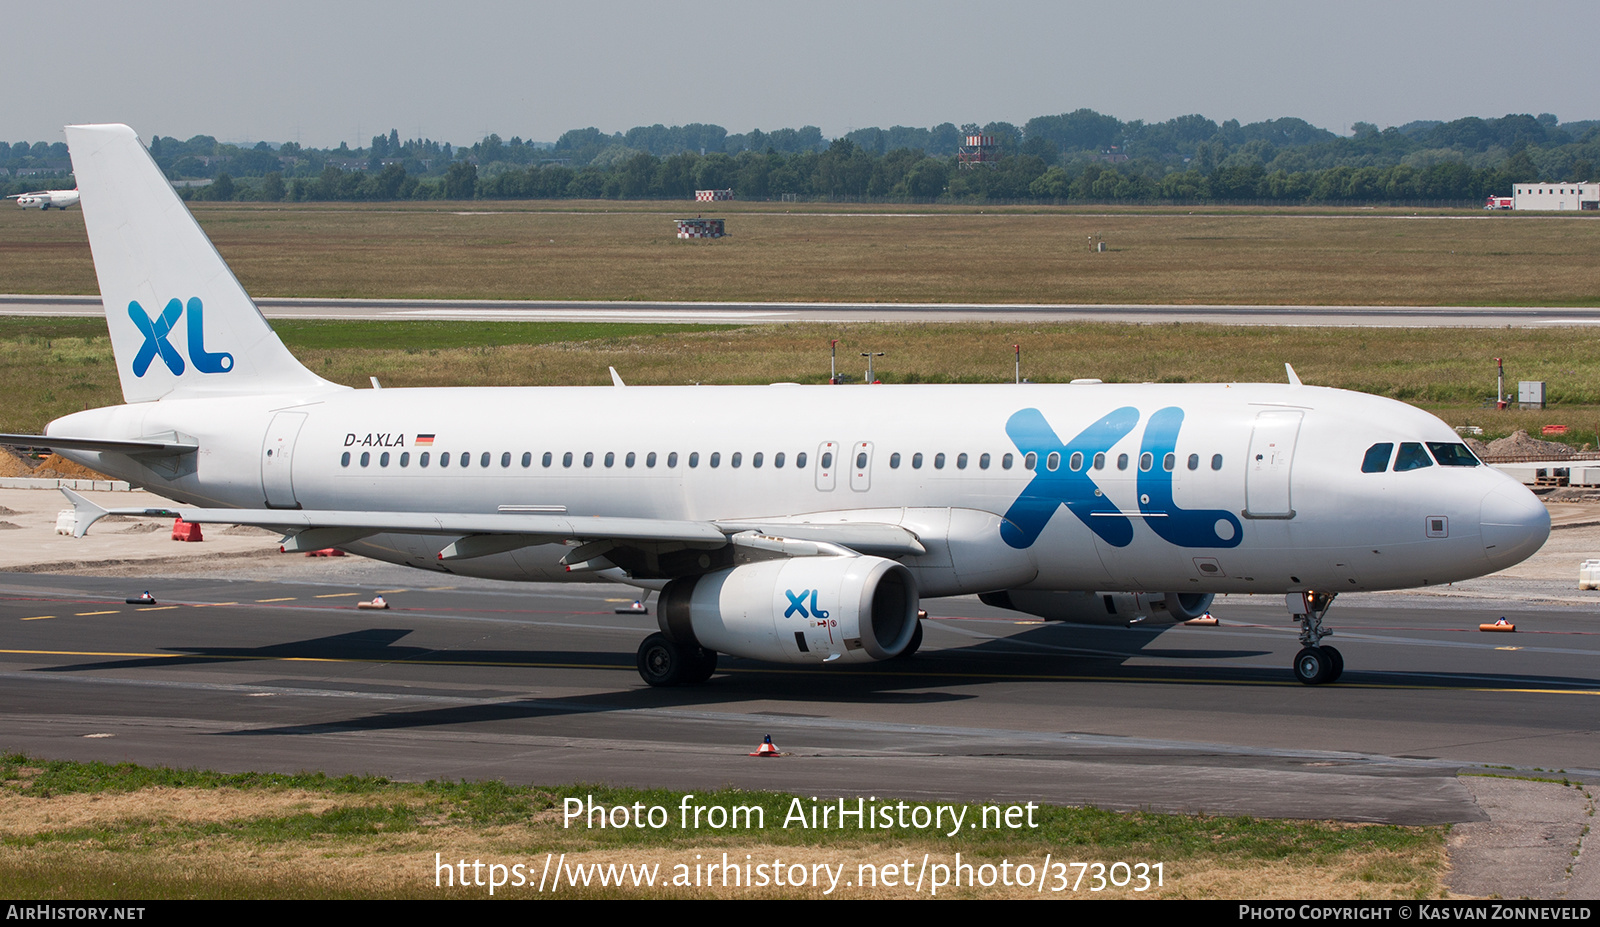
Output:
x,y
796,524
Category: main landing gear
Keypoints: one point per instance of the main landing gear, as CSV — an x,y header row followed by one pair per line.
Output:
x,y
665,662
1315,664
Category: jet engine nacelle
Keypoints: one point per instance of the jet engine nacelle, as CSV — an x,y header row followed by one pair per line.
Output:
x,y
800,610
1104,607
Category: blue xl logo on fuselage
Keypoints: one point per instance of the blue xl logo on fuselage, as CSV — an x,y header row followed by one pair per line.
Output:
x,y
156,344
1073,487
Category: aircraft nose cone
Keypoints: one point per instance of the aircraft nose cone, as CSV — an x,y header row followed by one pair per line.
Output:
x,y
1514,525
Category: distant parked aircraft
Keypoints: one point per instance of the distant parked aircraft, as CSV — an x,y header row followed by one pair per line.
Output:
x,y
44,199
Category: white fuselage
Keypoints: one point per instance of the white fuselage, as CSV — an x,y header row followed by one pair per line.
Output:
x,y
1247,487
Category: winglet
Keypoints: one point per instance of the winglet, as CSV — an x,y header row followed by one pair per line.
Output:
x,y
1294,378
85,512
616,378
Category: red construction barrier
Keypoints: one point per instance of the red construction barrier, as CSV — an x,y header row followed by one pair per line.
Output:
x,y
185,531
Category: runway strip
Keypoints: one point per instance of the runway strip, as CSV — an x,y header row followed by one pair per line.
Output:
x,y
536,684
756,313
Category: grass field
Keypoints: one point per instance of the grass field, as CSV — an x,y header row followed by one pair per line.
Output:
x,y
49,367
91,831
627,251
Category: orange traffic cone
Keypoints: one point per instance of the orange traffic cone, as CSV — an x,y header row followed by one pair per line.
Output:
x,y
766,748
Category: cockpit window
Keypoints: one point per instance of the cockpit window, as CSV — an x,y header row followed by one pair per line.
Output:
x,y
1377,459
1452,455
1411,457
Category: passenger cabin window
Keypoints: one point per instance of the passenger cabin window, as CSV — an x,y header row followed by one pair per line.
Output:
x,y
505,460
1052,462
1452,455
527,459
1216,461
736,459
566,459
1146,461
1411,457
423,460
1030,461
546,459
800,460
466,459
961,461
1099,461
366,458
484,460
777,460
694,459
444,460
1075,462
716,458
344,461
916,461
755,459
588,458
1169,462
1005,462
1122,461
938,461
983,461
649,459
383,459
628,460
611,458
1377,459
672,459
894,460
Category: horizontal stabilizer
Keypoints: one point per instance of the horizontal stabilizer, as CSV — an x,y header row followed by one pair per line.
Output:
x,y
150,448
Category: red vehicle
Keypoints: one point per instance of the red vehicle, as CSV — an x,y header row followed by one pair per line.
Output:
x,y
1498,202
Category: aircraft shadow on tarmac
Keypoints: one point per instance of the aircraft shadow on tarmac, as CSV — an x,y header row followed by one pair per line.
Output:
x,y
1044,653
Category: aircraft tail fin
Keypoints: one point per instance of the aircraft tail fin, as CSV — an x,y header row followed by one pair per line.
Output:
x,y
181,325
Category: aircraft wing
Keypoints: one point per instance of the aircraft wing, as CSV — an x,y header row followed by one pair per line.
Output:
x,y
495,532
153,447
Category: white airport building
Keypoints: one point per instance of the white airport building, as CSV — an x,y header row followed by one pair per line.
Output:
x,y
1556,195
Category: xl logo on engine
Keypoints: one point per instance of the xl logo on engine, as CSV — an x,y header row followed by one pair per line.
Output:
x,y
797,604
155,345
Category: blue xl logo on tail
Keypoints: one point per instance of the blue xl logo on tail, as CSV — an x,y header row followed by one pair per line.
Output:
x,y
156,344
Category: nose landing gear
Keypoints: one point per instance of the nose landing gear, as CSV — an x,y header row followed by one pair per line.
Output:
x,y
1315,664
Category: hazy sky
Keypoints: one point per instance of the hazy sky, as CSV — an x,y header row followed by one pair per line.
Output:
x,y
324,72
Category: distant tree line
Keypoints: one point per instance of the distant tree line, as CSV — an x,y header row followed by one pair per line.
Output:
x,y
1083,156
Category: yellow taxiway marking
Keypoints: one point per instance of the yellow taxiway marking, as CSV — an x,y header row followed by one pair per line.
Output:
x,y
976,677
87,614
391,591
38,618
155,608
284,599
211,604
335,595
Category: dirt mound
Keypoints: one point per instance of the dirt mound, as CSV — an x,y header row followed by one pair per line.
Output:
x,y
1477,447
11,465
1521,444
56,467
